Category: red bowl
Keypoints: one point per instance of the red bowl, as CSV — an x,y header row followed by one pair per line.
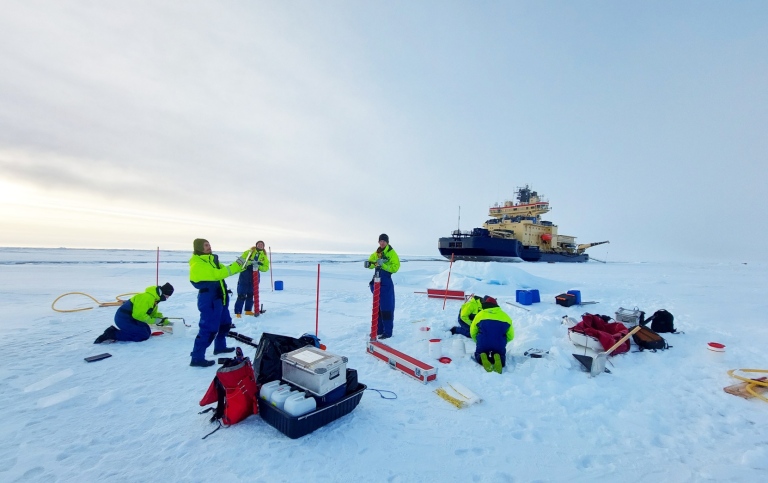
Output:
x,y
425,329
445,360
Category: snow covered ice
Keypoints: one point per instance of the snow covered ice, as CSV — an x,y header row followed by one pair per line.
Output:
x,y
134,417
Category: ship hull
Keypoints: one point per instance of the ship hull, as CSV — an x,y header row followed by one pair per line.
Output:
x,y
478,248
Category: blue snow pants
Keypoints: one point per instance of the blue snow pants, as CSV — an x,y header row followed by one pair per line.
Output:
x,y
245,290
492,339
131,330
386,304
215,320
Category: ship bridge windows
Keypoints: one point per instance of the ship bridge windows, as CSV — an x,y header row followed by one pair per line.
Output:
x,y
457,244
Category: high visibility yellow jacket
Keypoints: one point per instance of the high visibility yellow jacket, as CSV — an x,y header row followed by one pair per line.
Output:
x,y
262,261
391,260
206,268
145,305
492,314
470,308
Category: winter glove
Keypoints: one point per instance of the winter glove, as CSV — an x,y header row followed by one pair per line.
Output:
x,y
161,321
380,262
241,261
367,264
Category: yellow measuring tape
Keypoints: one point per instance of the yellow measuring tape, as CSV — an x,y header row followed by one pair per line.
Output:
x,y
118,301
751,383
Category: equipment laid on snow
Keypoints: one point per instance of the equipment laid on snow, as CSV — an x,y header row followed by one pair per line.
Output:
x,y
662,321
596,366
519,306
565,299
458,395
98,357
117,303
646,339
630,317
750,387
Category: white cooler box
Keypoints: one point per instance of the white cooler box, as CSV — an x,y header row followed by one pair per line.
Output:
x,y
629,317
314,370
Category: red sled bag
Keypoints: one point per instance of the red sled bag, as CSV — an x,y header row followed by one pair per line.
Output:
x,y
607,333
235,391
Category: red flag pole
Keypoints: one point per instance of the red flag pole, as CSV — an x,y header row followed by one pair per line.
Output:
x,y
157,268
317,303
445,295
271,282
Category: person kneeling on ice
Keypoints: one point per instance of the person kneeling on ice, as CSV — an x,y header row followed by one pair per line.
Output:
x,y
467,314
248,283
135,316
491,329
207,275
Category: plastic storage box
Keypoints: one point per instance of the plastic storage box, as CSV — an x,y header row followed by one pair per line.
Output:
x,y
298,426
314,370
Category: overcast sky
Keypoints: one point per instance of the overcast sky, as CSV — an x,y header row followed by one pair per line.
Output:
x,y
315,126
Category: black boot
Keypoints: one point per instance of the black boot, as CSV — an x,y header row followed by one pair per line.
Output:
x,y
108,336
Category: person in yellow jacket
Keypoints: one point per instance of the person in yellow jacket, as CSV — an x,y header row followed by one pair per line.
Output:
x,y
248,284
136,316
491,329
386,262
467,313
207,275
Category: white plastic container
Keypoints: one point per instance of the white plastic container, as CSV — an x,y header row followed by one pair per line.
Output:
x,y
435,348
280,395
267,389
298,404
457,348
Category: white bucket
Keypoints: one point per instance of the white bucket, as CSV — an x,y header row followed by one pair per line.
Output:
x,y
297,404
435,348
457,348
268,388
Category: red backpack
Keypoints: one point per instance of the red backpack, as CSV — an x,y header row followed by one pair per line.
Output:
x,y
235,391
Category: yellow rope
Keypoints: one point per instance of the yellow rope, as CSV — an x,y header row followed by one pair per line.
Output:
x,y
751,383
118,301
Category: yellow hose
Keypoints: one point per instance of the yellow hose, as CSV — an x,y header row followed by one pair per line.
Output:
x,y
751,383
118,301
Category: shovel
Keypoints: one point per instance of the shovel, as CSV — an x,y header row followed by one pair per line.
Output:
x,y
597,365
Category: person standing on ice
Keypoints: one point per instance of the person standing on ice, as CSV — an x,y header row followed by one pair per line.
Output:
x,y
467,313
491,329
207,275
387,262
134,317
246,290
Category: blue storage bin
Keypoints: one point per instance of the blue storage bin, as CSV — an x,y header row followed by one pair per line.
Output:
x,y
278,284
517,295
535,297
577,294
525,298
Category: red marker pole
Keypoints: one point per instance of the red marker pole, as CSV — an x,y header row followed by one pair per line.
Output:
x,y
375,309
271,282
317,302
445,295
157,268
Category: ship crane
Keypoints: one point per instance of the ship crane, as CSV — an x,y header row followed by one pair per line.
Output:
x,y
584,246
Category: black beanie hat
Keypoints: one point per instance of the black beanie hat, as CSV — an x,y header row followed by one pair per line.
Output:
x,y
384,237
199,246
167,289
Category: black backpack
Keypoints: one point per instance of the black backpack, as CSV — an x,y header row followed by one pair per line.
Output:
x,y
662,321
646,339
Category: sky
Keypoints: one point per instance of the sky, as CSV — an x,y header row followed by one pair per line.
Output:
x,y
316,126
134,417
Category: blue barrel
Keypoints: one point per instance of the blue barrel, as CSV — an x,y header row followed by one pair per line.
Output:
x,y
535,297
525,298
278,284
517,295
577,294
